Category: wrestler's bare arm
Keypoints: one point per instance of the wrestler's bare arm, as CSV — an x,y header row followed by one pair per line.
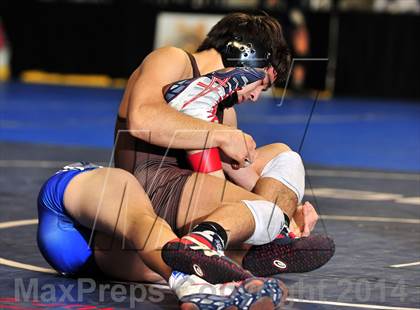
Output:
x,y
147,109
149,117
245,177
229,118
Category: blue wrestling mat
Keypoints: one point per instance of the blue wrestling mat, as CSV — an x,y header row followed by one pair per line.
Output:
x,y
349,133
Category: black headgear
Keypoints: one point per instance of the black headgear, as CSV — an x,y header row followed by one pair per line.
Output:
x,y
240,52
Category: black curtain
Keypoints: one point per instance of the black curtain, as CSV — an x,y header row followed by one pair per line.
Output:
x,y
110,38
378,55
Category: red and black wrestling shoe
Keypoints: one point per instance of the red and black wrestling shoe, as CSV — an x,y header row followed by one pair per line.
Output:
x,y
196,254
288,254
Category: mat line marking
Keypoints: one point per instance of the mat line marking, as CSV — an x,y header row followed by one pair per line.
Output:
x,y
405,265
18,265
363,174
351,194
22,163
165,287
18,223
349,218
12,263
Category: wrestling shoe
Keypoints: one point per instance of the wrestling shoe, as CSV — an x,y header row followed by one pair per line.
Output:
x,y
198,253
202,96
253,293
288,254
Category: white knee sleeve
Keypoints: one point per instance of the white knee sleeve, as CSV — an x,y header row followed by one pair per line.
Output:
x,y
269,221
287,168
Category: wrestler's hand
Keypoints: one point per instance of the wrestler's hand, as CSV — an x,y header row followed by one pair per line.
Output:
x,y
304,220
239,147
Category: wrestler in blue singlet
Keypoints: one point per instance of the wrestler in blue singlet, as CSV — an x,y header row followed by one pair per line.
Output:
x,y
63,242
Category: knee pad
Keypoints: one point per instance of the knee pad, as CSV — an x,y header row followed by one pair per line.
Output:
x,y
287,168
269,221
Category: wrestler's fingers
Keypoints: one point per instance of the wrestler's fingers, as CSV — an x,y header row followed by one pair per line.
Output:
x,y
246,162
310,218
294,227
242,163
306,231
252,156
310,209
251,147
235,165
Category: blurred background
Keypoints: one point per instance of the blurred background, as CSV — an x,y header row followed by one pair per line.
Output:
x,y
360,57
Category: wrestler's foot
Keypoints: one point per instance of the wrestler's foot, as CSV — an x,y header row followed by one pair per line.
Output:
x,y
255,293
289,254
196,254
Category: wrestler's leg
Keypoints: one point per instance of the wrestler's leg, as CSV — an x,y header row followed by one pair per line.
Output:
x,y
269,188
213,199
203,194
122,209
116,261
209,198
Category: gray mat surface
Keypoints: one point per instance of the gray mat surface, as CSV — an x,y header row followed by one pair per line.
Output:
x,y
359,273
